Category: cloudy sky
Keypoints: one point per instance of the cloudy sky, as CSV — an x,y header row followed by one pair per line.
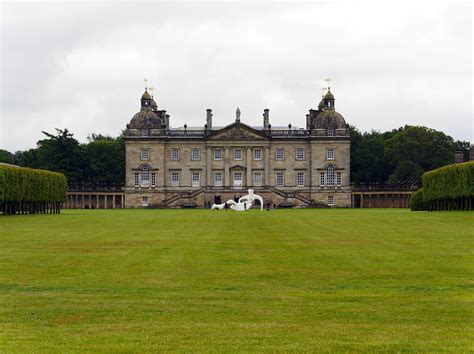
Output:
x,y
81,66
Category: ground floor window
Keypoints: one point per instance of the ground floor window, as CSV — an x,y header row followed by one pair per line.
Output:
x,y
330,200
300,179
196,178
280,179
218,179
144,201
322,179
145,176
257,179
330,175
175,179
137,179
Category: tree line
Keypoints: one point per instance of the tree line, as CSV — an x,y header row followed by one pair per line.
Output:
x,y
101,160
31,191
398,156
446,188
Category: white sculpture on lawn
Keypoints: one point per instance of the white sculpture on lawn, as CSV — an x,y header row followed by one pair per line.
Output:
x,y
245,202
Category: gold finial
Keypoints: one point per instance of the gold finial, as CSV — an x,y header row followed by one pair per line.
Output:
x,y
328,82
146,84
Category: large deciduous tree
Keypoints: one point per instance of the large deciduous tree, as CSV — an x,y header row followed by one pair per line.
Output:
x,y
414,150
106,159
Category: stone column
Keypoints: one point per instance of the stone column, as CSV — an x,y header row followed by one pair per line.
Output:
x,y
123,201
249,167
90,201
208,167
105,201
113,201
267,167
97,205
226,168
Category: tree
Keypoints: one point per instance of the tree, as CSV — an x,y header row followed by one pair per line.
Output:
x,y
62,153
6,157
106,159
419,149
368,161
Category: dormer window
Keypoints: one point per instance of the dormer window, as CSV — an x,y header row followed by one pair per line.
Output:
x,y
330,132
145,132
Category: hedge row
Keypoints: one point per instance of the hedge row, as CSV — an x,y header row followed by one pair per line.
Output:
x,y
448,188
416,201
26,190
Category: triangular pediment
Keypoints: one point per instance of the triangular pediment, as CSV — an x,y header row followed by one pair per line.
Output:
x,y
237,131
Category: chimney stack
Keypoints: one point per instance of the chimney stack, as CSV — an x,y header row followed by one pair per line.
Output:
x,y
209,118
266,118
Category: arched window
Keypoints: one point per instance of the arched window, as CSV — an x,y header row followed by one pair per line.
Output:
x,y
330,175
145,175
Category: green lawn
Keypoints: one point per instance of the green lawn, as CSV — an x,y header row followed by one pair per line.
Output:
x,y
289,280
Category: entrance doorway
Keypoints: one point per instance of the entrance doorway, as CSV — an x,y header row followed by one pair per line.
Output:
x,y
238,179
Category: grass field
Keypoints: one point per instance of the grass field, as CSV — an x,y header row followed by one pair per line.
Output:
x,y
290,280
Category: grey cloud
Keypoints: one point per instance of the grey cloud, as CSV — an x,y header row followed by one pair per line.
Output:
x,y
81,65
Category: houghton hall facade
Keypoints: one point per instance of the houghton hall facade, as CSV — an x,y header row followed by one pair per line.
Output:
x,y
196,167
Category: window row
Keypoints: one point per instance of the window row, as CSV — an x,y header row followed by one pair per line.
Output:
x,y
145,178
257,154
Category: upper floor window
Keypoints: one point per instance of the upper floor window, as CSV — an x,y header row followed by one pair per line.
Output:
x,y
330,176
330,132
238,154
195,154
280,179
153,179
300,154
300,179
330,154
217,154
175,154
280,154
175,179
144,154
257,154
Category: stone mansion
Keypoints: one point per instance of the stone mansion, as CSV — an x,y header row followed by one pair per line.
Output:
x,y
195,167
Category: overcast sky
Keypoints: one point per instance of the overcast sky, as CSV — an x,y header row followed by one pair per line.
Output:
x,y
81,66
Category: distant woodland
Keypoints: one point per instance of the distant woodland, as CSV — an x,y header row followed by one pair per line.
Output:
x,y
398,156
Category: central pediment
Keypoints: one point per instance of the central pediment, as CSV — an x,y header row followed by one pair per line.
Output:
x,y
237,131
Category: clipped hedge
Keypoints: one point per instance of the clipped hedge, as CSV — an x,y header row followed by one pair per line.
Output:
x,y
416,201
30,191
450,187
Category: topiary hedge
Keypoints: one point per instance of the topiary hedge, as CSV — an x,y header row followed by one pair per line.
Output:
x,y
450,187
416,201
30,191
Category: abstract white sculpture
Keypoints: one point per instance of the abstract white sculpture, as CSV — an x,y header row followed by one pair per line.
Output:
x,y
245,202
